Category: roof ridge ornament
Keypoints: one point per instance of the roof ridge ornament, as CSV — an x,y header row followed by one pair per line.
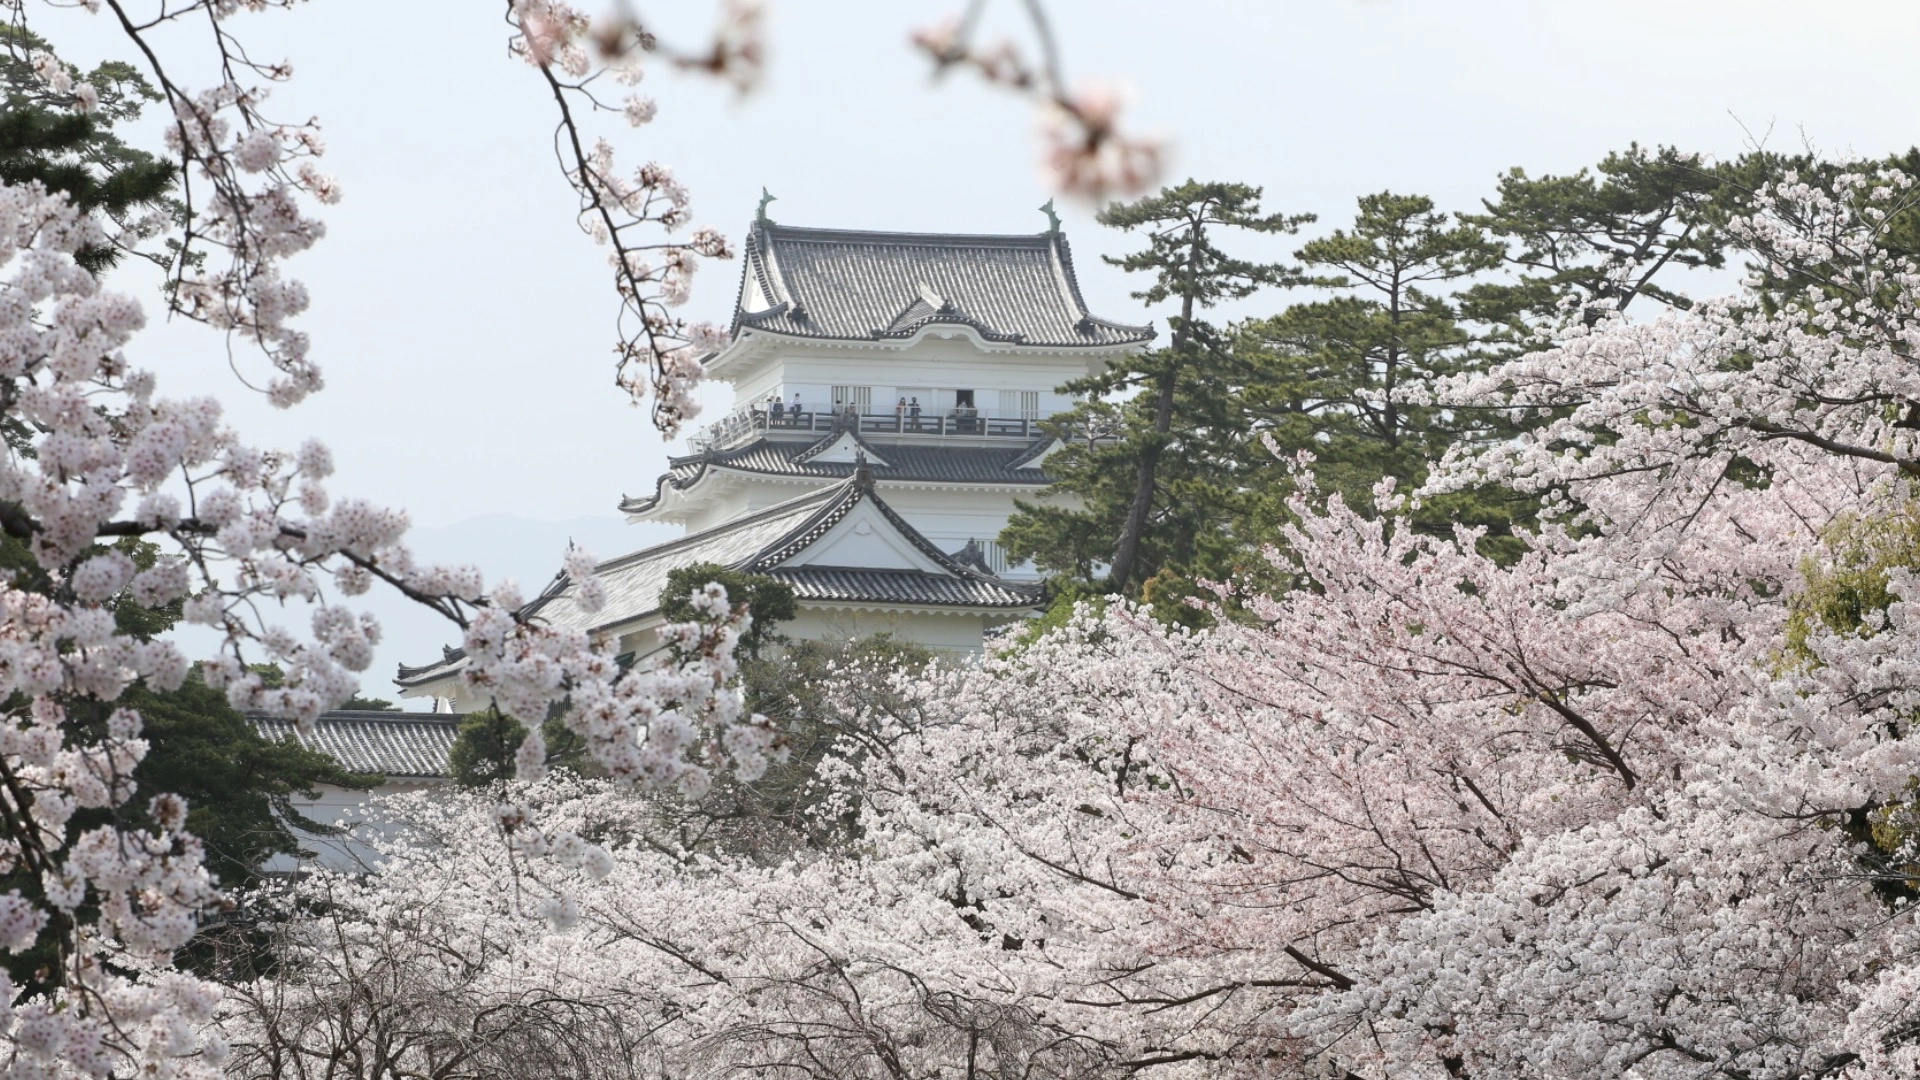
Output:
x,y
1053,219
760,215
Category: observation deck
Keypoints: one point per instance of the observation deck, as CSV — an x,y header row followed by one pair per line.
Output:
x,y
746,425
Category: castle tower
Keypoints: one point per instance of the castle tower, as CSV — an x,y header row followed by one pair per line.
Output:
x,y
888,393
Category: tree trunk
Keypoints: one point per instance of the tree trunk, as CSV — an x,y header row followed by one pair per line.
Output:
x,y
1128,549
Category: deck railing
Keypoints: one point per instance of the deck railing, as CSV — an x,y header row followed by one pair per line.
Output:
x,y
750,423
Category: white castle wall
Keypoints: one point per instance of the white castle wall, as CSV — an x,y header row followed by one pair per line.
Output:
x,y
931,364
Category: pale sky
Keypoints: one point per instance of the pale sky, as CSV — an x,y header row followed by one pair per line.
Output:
x,y
465,326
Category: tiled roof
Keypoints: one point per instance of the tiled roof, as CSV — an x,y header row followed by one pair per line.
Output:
x,y
893,462
848,285
760,543
855,585
397,744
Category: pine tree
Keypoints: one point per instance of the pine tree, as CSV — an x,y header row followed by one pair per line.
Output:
x,y
1602,238
1348,378
1118,468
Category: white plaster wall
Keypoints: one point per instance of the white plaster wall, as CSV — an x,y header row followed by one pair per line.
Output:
x,y
958,633
759,494
866,539
364,822
950,363
761,383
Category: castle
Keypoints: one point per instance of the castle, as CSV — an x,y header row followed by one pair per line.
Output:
x,y
888,393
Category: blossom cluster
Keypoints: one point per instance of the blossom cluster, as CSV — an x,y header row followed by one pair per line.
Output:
x,y
1431,814
667,722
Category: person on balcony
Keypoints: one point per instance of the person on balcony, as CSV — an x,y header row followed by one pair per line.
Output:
x,y
913,410
777,408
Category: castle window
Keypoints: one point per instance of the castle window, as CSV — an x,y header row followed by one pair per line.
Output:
x,y
855,398
1020,404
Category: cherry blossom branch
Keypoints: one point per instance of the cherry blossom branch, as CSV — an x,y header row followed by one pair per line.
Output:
x,y
1907,465
658,353
256,227
1086,154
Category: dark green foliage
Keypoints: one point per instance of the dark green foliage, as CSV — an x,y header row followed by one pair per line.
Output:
x,y
1345,378
1179,485
43,139
239,786
770,601
1077,536
484,747
1071,542
1186,264
1142,501
1332,376
1601,236
370,704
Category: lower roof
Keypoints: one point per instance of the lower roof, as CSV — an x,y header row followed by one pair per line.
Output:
x,y
891,463
768,542
396,744
845,584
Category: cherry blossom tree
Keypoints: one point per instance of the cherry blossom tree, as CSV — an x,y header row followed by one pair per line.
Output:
x,y
1425,814
105,876
1429,815
1422,815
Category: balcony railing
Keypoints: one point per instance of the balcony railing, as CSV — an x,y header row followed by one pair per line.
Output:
x,y
747,424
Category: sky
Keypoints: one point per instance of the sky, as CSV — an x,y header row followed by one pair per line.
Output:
x,y
465,325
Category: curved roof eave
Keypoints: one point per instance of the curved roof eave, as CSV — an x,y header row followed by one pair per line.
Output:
x,y
933,329
1015,287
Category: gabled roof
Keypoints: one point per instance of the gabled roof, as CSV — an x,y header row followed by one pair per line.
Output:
x,y
850,285
634,582
902,464
773,542
399,744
